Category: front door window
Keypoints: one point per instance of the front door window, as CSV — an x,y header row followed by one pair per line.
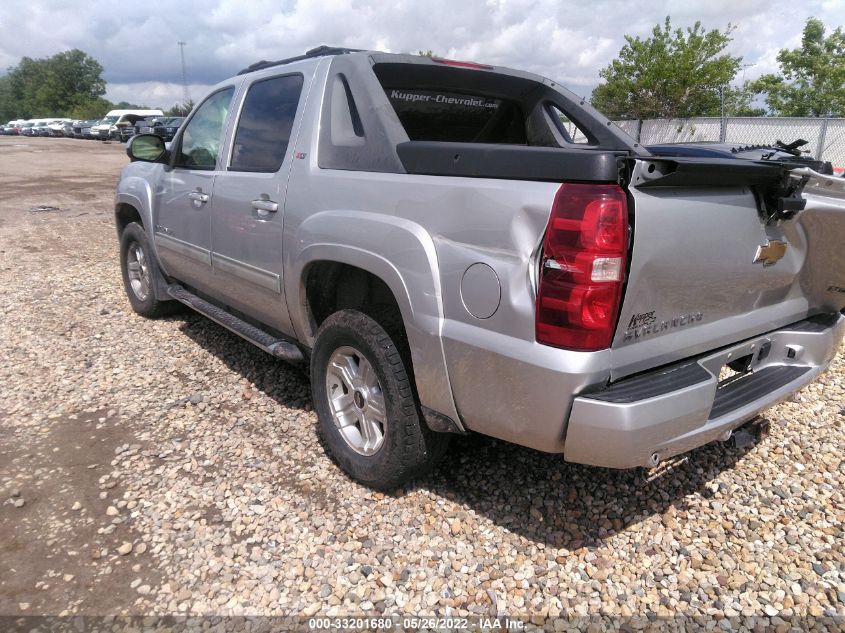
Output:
x,y
203,136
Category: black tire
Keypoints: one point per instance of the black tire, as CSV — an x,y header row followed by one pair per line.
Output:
x,y
409,448
132,240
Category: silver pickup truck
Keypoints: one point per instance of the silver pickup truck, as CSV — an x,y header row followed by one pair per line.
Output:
x,y
457,247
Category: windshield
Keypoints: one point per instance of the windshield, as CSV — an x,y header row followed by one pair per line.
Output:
x,y
108,120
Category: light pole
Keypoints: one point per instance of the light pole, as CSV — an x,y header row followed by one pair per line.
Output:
x,y
184,74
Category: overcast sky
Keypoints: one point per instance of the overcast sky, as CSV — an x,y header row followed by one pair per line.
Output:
x,y
567,41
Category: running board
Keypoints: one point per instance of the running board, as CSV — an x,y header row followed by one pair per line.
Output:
x,y
270,344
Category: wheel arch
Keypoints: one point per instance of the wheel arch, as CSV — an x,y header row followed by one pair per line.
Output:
x,y
420,311
124,214
127,211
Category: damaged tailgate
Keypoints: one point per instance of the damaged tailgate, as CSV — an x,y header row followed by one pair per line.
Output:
x,y
724,250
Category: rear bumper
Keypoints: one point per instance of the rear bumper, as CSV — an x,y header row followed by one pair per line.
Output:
x,y
645,419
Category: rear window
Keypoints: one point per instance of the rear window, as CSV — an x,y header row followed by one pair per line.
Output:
x,y
440,115
265,124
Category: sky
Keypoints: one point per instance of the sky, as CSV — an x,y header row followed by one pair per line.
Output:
x,y
136,42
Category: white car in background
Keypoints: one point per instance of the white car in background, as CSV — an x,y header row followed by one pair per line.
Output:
x,y
110,126
56,127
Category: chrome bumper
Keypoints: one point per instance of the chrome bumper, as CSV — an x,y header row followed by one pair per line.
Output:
x,y
643,420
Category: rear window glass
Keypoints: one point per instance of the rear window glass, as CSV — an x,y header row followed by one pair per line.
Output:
x,y
435,115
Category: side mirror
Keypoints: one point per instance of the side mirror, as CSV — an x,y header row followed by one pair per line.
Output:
x,y
146,147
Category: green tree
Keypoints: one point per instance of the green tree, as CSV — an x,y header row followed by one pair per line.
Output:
x,y
673,73
180,109
55,85
812,78
126,105
8,110
93,109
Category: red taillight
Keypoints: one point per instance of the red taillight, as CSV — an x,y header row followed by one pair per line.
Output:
x,y
582,267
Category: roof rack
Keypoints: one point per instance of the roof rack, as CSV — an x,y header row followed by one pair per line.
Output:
x,y
319,51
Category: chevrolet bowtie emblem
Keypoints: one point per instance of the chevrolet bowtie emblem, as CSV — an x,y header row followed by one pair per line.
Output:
x,y
770,253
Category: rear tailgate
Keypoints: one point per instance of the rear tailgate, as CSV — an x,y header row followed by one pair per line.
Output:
x,y
708,268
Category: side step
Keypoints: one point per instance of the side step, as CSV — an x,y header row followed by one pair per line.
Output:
x,y
270,344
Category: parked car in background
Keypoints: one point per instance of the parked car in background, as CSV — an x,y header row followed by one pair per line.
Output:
x,y
124,132
55,127
146,125
80,127
26,128
165,127
169,127
88,130
37,127
110,125
127,132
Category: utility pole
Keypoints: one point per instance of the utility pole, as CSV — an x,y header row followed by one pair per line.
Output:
x,y
184,74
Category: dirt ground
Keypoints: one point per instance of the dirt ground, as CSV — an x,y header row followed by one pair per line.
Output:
x,y
47,548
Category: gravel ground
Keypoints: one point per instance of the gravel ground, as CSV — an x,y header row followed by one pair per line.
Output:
x,y
167,467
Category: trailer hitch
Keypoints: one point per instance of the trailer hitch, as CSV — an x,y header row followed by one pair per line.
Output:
x,y
749,433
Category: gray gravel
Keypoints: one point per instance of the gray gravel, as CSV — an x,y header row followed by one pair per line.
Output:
x,y
220,495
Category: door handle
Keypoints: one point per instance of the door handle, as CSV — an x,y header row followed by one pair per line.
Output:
x,y
198,196
263,204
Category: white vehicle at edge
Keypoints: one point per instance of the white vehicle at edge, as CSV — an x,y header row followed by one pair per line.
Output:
x,y
115,118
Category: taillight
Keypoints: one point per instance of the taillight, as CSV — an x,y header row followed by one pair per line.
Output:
x,y
582,267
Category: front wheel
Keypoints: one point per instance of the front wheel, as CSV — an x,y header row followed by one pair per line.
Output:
x,y
139,267
368,411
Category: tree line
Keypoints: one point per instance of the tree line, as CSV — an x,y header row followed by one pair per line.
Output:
x,y
680,73
67,84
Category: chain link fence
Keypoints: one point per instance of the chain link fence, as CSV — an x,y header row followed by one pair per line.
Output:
x,y
826,136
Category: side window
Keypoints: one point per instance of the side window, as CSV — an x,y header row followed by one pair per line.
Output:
x,y
265,125
204,134
570,130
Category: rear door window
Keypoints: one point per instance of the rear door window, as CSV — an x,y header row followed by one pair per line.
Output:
x,y
265,125
439,115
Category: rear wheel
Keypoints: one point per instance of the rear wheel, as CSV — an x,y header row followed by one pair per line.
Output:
x,y
369,415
